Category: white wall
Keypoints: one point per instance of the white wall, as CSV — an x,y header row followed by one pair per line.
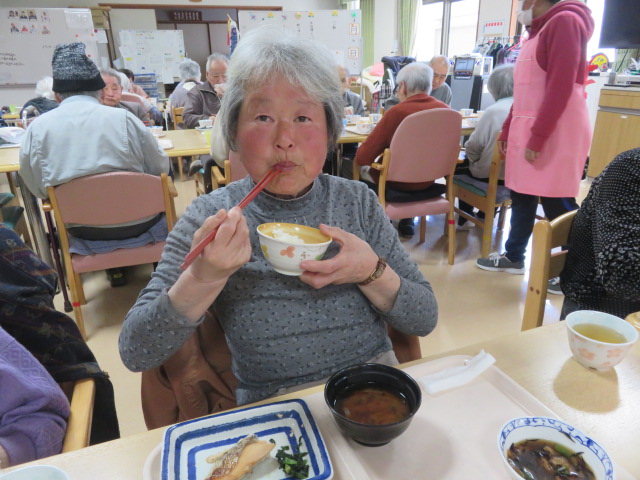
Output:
x,y
386,29
141,19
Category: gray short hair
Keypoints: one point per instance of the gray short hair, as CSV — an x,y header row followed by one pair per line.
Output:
x,y
44,88
441,59
417,78
266,52
189,70
216,57
500,84
111,72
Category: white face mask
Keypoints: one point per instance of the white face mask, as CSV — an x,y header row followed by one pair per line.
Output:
x,y
525,17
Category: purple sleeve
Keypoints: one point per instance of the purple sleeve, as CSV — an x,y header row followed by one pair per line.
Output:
x,y
33,408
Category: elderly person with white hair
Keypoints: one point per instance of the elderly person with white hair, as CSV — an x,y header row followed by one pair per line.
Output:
x,y
283,108
43,101
479,148
190,76
112,94
414,85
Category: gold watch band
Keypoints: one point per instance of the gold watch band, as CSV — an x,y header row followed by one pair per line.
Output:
x,y
377,273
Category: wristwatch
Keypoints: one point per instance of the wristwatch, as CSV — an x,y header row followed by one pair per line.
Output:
x,y
377,273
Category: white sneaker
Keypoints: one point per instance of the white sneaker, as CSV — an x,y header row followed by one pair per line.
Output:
x,y
554,286
466,226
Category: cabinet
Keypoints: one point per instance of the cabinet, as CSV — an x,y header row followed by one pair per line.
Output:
x,y
617,127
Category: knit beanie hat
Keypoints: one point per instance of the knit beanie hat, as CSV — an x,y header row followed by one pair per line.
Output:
x,y
73,71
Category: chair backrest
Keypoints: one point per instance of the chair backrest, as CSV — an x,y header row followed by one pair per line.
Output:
x,y
112,198
425,146
234,168
545,265
129,97
176,114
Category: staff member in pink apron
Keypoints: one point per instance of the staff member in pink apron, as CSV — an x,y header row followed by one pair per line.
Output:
x,y
547,134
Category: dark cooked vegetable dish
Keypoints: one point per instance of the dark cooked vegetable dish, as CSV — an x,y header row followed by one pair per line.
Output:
x,y
544,460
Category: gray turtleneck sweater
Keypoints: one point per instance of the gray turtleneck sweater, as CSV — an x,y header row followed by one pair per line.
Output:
x,y
282,332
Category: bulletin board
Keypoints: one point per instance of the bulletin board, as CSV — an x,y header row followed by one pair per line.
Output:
x,y
153,51
28,37
339,30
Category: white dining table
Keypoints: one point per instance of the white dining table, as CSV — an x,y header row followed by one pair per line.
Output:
x,y
537,364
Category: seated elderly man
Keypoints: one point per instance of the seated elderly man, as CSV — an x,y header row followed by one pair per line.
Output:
x,y
439,89
479,148
189,78
203,101
112,94
82,137
414,85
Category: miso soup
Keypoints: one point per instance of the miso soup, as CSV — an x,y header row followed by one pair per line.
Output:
x,y
599,333
544,460
372,405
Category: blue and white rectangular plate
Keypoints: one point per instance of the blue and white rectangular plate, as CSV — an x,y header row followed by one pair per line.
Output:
x,y
187,445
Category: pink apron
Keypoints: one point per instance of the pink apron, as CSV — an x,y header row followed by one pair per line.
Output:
x,y
558,169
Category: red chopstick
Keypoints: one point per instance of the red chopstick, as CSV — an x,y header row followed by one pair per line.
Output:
x,y
193,254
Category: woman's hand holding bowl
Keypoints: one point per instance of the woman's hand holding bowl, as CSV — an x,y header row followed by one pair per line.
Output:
x,y
355,261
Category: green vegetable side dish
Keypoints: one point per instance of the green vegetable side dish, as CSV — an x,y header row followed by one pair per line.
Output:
x,y
293,464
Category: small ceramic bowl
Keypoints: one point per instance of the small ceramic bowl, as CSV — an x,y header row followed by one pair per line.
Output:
x,y
36,472
365,128
205,123
372,375
556,431
472,121
352,119
156,131
285,245
593,353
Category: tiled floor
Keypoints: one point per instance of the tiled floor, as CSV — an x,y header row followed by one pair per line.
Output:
x,y
474,305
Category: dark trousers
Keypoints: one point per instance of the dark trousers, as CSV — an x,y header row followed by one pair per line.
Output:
x,y
114,233
523,216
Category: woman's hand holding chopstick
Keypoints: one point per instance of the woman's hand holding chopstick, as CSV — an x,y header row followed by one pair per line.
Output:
x,y
200,284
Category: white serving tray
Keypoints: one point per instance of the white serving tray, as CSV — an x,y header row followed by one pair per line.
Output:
x,y
453,435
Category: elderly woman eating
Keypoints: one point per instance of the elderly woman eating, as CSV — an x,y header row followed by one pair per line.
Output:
x,y
282,107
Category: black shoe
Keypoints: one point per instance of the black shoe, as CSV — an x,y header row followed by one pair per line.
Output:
x,y
194,167
406,228
116,277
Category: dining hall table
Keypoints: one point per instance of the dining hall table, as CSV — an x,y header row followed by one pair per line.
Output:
x,y
533,370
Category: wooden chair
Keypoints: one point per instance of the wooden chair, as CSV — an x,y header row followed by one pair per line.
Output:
x,y
176,115
545,265
81,415
233,170
486,197
108,199
425,147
